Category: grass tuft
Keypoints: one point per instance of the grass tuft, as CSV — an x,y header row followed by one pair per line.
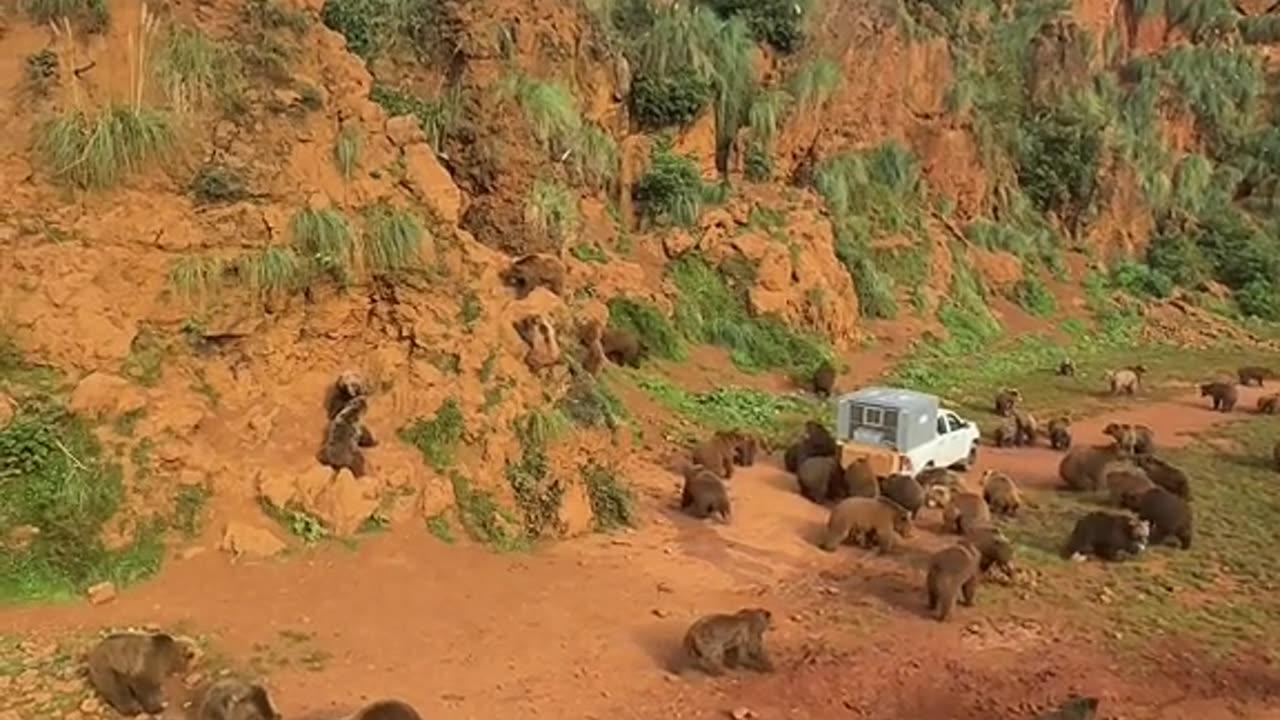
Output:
x,y
97,150
195,70
612,504
274,272
393,239
654,331
325,239
437,439
197,277
552,210
346,151
93,15
814,83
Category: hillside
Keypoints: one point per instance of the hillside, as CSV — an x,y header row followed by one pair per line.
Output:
x,y
213,208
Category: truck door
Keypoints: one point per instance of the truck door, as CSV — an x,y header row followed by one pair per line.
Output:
x,y
957,447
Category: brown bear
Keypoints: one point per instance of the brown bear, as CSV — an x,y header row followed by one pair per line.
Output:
x,y
861,520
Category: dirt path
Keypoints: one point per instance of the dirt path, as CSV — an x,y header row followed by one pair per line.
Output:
x,y
586,629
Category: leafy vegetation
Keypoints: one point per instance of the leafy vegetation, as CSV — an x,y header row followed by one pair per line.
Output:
x,y
813,83
1058,164
780,23
484,519
773,417
654,331
538,494
709,311
216,183
40,71
611,500
323,238
671,100
437,439
93,16
53,478
438,117
671,190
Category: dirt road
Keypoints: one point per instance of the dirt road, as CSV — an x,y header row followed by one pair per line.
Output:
x,y
589,628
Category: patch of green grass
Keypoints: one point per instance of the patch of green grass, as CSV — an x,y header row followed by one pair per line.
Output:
x,y
196,70
324,237
439,526
470,309
437,439
297,522
550,109
392,239
594,156
274,272
708,311
1032,295
654,331
40,72
612,505
552,210
20,377
773,417
484,519
589,402
814,83
346,151
53,478
197,277
1208,594
98,149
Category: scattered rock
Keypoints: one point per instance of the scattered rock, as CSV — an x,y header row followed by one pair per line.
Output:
x,y
404,130
101,393
188,553
432,183
90,706
742,713
677,243
659,612
347,502
244,539
102,593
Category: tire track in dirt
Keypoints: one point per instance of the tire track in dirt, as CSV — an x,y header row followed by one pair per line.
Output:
x,y
587,628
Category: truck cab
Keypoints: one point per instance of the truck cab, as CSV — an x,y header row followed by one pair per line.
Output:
x,y
902,431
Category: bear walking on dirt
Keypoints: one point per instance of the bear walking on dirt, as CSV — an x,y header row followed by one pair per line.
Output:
x,y
704,495
1126,380
129,669
864,520
1224,395
720,641
953,572
234,699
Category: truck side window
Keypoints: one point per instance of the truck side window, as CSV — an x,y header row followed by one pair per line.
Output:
x,y
942,425
954,422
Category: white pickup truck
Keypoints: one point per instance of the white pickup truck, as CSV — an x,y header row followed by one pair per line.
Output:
x,y
903,432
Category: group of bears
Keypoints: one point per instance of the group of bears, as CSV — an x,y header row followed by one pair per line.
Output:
x,y
129,669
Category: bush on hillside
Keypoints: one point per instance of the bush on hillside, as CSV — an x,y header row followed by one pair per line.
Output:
x,y
670,191
670,100
776,22
1058,164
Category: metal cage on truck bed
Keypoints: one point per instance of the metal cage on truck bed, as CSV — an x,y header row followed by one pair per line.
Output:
x,y
887,417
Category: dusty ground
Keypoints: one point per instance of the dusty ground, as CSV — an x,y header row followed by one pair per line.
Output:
x,y
464,633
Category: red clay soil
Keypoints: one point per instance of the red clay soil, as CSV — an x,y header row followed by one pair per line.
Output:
x,y
591,628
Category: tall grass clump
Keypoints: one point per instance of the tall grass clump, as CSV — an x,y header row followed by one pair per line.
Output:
x,y
196,277
552,210
346,151
671,190
392,239
595,157
274,272
195,70
709,311
1058,161
550,109
325,239
438,117
814,83
96,148
1222,86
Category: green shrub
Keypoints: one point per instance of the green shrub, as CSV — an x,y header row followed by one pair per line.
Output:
x,y
1141,280
780,23
97,150
654,331
881,186
217,183
670,191
53,478
393,239
756,163
1031,295
197,276
594,156
325,239
1221,86
611,500
1260,29
1260,299
673,100
537,494
1175,255
709,311
1058,164
370,26
873,288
